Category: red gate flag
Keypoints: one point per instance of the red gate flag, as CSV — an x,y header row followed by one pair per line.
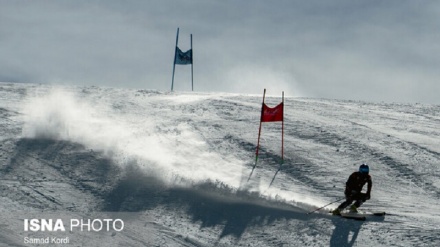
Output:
x,y
274,114
269,114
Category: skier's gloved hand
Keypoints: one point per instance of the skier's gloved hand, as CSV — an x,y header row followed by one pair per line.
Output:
x,y
367,196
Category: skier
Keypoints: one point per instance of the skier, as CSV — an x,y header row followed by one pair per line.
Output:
x,y
353,189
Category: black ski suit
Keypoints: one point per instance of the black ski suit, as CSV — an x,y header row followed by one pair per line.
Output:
x,y
353,188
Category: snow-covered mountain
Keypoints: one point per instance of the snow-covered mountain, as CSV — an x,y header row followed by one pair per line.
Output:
x,y
175,168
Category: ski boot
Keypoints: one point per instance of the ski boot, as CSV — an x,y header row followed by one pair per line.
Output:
x,y
336,212
353,209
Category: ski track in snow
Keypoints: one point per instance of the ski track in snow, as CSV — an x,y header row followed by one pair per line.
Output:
x,y
175,167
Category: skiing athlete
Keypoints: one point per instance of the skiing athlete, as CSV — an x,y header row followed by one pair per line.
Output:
x,y
353,189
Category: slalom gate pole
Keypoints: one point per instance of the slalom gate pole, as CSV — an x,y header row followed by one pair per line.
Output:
x,y
259,129
192,63
282,135
340,199
259,134
174,63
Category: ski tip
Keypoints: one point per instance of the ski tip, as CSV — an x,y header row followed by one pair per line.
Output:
x,y
379,214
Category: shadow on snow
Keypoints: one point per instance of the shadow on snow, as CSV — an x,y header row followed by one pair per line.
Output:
x,y
130,189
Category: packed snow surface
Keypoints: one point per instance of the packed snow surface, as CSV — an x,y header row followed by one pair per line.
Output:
x,y
176,167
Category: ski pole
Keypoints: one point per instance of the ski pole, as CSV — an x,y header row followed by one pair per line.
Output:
x,y
340,199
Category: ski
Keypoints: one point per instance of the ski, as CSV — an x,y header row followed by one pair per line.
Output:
x,y
360,215
354,216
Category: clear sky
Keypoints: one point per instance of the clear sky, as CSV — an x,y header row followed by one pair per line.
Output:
x,y
360,50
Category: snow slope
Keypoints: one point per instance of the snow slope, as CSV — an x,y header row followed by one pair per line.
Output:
x,y
175,168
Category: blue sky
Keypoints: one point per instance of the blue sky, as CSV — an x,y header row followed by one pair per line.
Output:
x,y
358,50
